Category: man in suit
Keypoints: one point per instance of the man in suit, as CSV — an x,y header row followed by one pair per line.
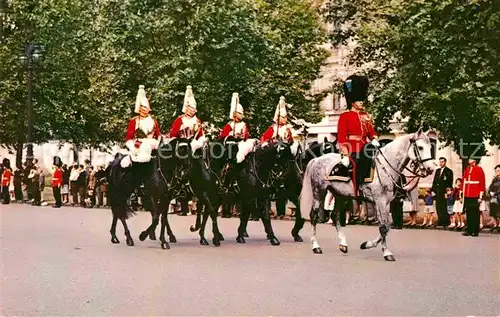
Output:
x,y
443,178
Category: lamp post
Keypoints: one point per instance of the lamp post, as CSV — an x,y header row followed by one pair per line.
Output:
x,y
32,53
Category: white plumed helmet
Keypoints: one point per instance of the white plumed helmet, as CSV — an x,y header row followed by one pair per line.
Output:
x,y
280,109
188,99
141,99
235,105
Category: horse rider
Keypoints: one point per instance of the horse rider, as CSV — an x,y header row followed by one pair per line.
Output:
x,y
280,128
235,128
187,125
355,128
143,131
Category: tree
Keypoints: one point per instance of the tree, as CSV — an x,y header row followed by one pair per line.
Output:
x,y
436,61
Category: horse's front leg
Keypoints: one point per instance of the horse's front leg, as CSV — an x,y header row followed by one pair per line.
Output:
x,y
112,231
130,241
155,213
299,221
244,215
163,241
152,234
383,213
266,220
338,217
206,213
315,245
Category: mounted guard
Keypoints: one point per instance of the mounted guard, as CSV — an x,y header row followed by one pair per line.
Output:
x,y
280,129
188,125
355,128
143,132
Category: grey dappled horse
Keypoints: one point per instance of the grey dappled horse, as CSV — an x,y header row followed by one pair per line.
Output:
x,y
390,161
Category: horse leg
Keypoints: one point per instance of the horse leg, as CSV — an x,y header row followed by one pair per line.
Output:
x,y
383,213
299,221
114,239
164,243
171,236
130,241
154,222
266,220
215,227
242,228
337,207
315,245
203,240
152,234
199,212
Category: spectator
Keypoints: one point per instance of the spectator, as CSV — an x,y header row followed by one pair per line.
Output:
x,y
443,178
81,184
494,193
428,209
6,180
41,185
91,181
18,183
65,184
450,201
57,180
35,184
397,203
73,180
474,190
100,183
458,206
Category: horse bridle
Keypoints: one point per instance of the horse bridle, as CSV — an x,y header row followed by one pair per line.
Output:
x,y
418,163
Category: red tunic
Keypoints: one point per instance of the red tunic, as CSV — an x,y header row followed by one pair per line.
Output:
x,y
133,125
284,131
353,130
240,131
474,182
183,126
57,178
6,176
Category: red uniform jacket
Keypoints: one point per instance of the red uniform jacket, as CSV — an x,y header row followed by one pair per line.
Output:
x,y
474,182
184,126
6,176
240,130
57,178
284,131
353,130
148,126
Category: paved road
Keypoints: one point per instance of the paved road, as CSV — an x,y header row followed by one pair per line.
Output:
x,y
61,262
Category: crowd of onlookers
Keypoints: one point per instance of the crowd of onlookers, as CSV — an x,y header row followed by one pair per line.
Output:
x,y
86,186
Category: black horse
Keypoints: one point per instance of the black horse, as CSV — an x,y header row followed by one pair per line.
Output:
x,y
219,160
183,173
260,172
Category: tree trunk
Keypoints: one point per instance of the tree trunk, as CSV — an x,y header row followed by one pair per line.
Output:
x,y
19,153
75,154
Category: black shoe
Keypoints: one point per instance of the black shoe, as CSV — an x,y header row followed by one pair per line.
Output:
x,y
475,234
56,206
466,234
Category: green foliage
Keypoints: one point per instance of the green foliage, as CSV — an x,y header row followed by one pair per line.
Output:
x,y
98,53
436,61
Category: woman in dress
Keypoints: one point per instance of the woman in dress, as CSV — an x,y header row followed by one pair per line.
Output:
x,y
494,193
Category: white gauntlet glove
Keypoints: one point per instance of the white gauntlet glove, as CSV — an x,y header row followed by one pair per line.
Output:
x,y
345,161
375,143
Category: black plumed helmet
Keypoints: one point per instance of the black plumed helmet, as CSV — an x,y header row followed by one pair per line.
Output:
x,y
355,89
6,163
57,161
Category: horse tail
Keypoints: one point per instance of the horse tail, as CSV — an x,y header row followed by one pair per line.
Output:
x,y
307,194
117,200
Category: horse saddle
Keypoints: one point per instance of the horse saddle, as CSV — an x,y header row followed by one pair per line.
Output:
x,y
341,173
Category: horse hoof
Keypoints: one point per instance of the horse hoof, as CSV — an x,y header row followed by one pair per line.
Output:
x,y
343,248
143,236
203,241
245,234
192,228
298,238
216,242
172,239
240,239
115,240
165,246
389,258
152,236
274,241
363,245
221,237
130,242
317,250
